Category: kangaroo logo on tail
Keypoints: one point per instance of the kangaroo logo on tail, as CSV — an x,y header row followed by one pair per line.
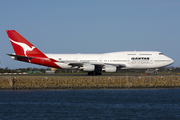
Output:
x,y
24,46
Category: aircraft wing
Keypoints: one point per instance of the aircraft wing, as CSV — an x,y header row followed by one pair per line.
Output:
x,y
73,63
117,65
100,64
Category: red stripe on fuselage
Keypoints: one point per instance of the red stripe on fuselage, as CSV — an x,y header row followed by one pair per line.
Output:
x,y
40,61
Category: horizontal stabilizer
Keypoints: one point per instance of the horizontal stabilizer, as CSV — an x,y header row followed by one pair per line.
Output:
x,y
12,55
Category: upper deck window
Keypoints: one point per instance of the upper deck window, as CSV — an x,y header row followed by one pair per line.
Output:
x,y
160,53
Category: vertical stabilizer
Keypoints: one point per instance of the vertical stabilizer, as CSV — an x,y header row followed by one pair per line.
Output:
x,y
23,47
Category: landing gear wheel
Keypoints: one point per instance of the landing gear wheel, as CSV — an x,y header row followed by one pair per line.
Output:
x,y
98,71
155,73
90,73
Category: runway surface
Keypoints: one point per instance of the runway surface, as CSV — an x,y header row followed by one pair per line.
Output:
x,y
84,74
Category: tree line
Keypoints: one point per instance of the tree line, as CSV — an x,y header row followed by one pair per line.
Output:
x,y
42,70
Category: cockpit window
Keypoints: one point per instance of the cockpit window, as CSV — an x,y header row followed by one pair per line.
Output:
x,y
160,53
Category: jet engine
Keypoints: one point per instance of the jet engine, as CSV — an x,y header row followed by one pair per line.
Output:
x,y
110,68
88,68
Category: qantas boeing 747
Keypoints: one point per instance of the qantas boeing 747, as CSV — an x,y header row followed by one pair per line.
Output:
x,y
94,64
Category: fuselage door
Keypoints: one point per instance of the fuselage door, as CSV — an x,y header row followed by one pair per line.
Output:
x,y
151,61
100,60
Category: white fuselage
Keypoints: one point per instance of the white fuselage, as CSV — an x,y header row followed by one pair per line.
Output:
x,y
128,59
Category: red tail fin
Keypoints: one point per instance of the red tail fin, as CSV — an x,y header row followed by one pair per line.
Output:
x,y
22,46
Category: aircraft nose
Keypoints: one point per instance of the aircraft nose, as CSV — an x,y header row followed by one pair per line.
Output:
x,y
172,61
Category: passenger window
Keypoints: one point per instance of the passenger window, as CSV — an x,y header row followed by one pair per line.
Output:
x,y
160,53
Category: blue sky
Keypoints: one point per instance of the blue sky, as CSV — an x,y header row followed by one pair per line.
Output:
x,y
92,26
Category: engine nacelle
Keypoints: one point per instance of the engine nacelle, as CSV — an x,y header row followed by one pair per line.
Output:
x,y
88,68
110,68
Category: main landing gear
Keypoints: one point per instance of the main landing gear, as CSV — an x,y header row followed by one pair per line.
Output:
x,y
96,72
91,73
